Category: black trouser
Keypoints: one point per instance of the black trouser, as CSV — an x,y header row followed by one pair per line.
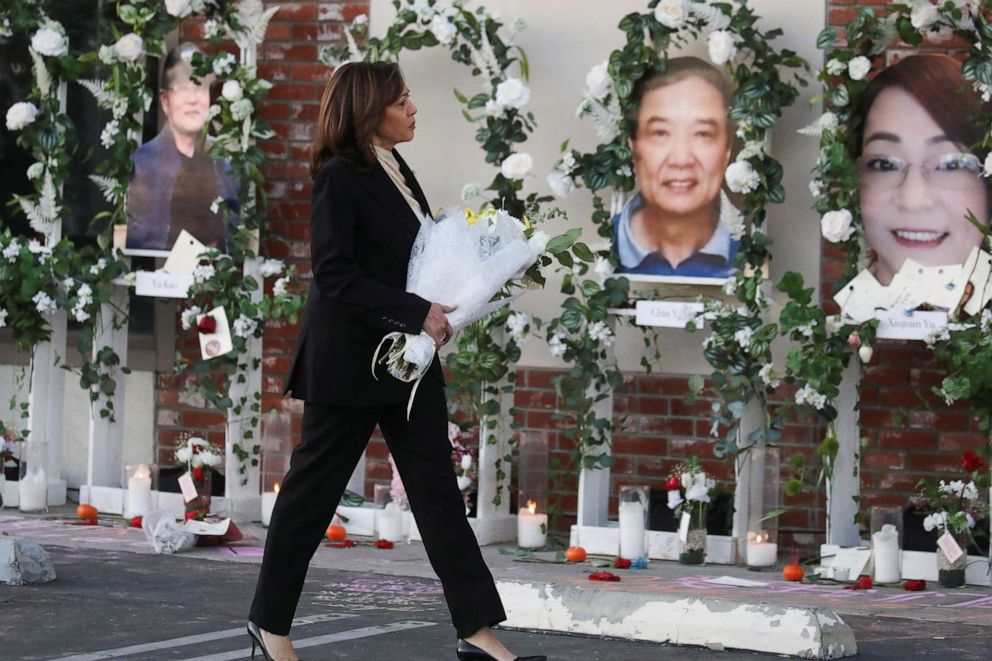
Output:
x,y
333,441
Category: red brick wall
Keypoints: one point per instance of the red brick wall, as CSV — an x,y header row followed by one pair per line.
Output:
x,y
655,428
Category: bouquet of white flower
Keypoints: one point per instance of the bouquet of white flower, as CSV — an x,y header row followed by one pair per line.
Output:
x,y
463,260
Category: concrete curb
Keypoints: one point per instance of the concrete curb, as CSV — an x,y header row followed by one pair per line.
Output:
x,y
717,623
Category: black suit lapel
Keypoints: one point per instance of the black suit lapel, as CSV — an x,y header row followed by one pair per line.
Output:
x,y
414,185
384,191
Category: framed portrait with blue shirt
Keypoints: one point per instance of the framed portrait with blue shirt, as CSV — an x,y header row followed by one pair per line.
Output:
x,y
675,227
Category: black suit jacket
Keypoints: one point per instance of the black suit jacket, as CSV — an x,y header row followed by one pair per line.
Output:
x,y
362,231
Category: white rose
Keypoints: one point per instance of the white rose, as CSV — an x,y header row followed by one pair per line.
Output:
x,y
20,115
466,462
721,47
603,269
471,191
560,184
419,350
741,177
271,267
464,482
698,492
538,241
493,109
36,170
279,287
671,13
130,47
837,226
180,8
184,455
516,166
241,109
443,30
598,82
245,326
512,93
836,67
49,41
223,64
232,91
859,67
923,14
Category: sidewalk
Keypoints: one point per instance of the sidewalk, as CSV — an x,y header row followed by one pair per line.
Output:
x,y
661,582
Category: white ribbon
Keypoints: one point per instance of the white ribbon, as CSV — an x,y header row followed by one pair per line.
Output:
x,y
395,361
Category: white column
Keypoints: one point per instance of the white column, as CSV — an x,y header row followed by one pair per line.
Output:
x,y
846,481
747,472
494,446
594,485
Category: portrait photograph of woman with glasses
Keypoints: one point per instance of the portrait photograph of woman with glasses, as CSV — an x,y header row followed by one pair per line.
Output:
x,y
176,182
920,166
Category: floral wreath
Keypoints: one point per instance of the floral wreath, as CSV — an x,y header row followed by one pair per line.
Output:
x,y
824,343
481,366
738,349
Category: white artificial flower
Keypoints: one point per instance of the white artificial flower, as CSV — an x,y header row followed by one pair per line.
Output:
x,y
600,332
210,458
512,93
443,29
179,8
743,337
987,173
494,109
807,395
859,67
598,82
50,40
516,166
203,272
271,267
698,492
816,188
538,241
557,345
184,454
464,482
471,191
79,313
671,13
215,204
130,47
466,461
969,519
923,14
232,91
106,54
3,317
837,226
741,177
568,160
223,64
603,269
43,303
687,479
211,29
35,171
188,317
109,133
360,21
5,32
423,9
769,376
970,492
561,184
21,115
721,46
517,325
241,109
836,67
674,499
279,286
730,287
244,326
12,250
97,268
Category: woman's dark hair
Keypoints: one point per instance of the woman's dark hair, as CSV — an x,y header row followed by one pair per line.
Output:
x,y
353,103
677,70
936,83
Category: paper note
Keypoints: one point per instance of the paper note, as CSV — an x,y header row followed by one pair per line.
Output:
x,y
684,527
861,296
853,559
185,254
187,487
978,278
218,342
735,582
204,528
907,290
162,285
950,547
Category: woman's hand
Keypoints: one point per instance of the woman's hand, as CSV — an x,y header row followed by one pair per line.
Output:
x,y
436,324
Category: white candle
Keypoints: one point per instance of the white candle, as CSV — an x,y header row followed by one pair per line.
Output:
x,y
532,528
761,552
631,530
33,490
139,492
390,523
885,548
11,493
268,502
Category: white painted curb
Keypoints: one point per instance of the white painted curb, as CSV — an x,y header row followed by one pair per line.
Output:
x,y
809,633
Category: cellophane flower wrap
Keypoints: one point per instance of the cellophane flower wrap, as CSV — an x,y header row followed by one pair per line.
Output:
x,y
464,260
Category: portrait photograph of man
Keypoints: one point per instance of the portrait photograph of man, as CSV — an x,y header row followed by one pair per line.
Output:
x,y
681,139
176,182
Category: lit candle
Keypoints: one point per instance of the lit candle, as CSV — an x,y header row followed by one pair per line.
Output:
x,y
761,552
885,548
33,491
532,528
139,492
268,502
390,523
631,530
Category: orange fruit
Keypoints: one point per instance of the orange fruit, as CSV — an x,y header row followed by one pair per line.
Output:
x,y
793,572
86,511
575,554
336,533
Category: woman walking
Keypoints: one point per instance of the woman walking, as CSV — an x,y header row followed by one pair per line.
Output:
x,y
367,208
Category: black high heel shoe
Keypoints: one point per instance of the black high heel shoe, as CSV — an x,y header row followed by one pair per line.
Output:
x,y
256,641
468,652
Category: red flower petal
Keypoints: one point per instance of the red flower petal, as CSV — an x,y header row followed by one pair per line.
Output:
x,y
207,324
604,576
136,521
864,583
621,563
383,544
915,585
